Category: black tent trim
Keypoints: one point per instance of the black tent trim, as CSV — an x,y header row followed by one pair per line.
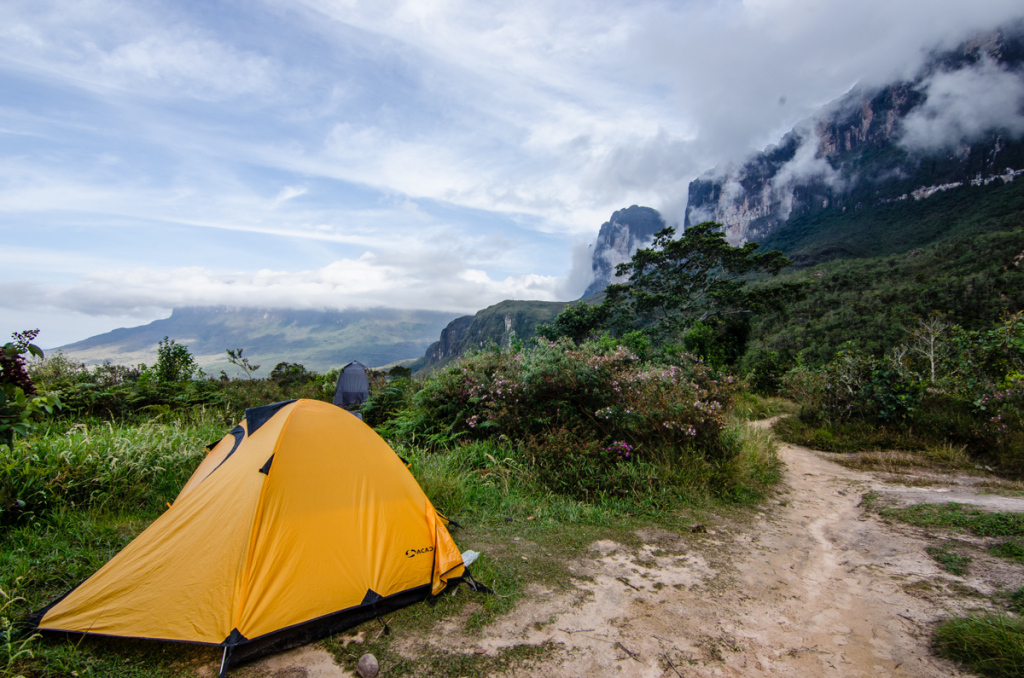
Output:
x,y
239,434
258,416
241,649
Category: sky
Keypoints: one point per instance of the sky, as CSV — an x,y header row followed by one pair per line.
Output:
x,y
436,154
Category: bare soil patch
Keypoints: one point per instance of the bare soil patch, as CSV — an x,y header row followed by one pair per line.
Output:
x,y
812,585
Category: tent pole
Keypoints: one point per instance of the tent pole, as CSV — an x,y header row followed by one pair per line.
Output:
x,y
224,662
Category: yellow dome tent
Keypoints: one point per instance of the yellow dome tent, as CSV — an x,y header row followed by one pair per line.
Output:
x,y
300,522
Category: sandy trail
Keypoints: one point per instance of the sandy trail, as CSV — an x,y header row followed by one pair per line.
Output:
x,y
811,586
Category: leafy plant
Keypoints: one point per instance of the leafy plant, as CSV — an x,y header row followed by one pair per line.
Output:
x,y
387,401
20,405
12,647
235,358
696,278
12,361
174,362
19,414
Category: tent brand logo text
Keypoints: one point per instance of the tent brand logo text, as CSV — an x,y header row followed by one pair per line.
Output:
x,y
412,553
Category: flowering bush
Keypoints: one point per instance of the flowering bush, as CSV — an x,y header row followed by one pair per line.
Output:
x,y
576,410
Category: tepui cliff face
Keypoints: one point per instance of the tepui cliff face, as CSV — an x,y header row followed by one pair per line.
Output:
x,y
617,242
944,128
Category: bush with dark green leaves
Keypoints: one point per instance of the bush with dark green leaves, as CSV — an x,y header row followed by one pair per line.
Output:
x,y
174,362
136,393
291,374
21,406
586,416
943,384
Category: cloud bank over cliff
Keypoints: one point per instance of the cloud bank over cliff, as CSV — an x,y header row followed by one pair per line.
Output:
x,y
963,105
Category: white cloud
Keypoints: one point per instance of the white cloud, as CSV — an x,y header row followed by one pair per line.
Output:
x,y
289,192
965,104
114,45
805,166
349,283
581,272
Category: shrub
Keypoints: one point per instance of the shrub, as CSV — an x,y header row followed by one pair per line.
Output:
x,y
855,385
589,417
122,393
387,402
973,398
765,370
20,403
290,374
174,362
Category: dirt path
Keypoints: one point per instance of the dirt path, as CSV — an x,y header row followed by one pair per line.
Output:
x,y
812,586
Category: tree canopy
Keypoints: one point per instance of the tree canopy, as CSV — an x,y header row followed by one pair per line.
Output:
x,y
696,278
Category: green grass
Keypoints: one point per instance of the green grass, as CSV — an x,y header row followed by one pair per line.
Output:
x,y
486,481
42,559
751,407
103,464
88,490
951,562
1012,549
941,435
991,645
845,437
960,517
1016,601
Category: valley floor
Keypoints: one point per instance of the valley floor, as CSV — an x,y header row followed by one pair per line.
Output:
x,y
814,584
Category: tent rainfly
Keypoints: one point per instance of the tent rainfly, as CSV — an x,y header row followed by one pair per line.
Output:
x,y
300,522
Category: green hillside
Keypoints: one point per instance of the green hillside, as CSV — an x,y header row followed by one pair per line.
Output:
x,y
974,278
900,226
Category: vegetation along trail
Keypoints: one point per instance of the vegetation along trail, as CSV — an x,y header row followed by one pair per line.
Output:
x,y
815,584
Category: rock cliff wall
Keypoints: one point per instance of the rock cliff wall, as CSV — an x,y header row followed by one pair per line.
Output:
x,y
875,145
617,241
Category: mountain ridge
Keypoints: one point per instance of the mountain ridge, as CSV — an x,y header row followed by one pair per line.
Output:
x,y
318,339
868,147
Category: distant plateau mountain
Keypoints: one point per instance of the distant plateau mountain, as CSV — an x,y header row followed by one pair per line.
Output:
x,y
319,340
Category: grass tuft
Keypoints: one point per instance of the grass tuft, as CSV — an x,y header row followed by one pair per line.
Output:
x,y
1017,601
103,465
951,562
992,645
960,517
1012,549
752,407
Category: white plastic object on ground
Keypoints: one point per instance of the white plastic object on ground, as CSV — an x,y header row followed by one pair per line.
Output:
x,y
469,557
